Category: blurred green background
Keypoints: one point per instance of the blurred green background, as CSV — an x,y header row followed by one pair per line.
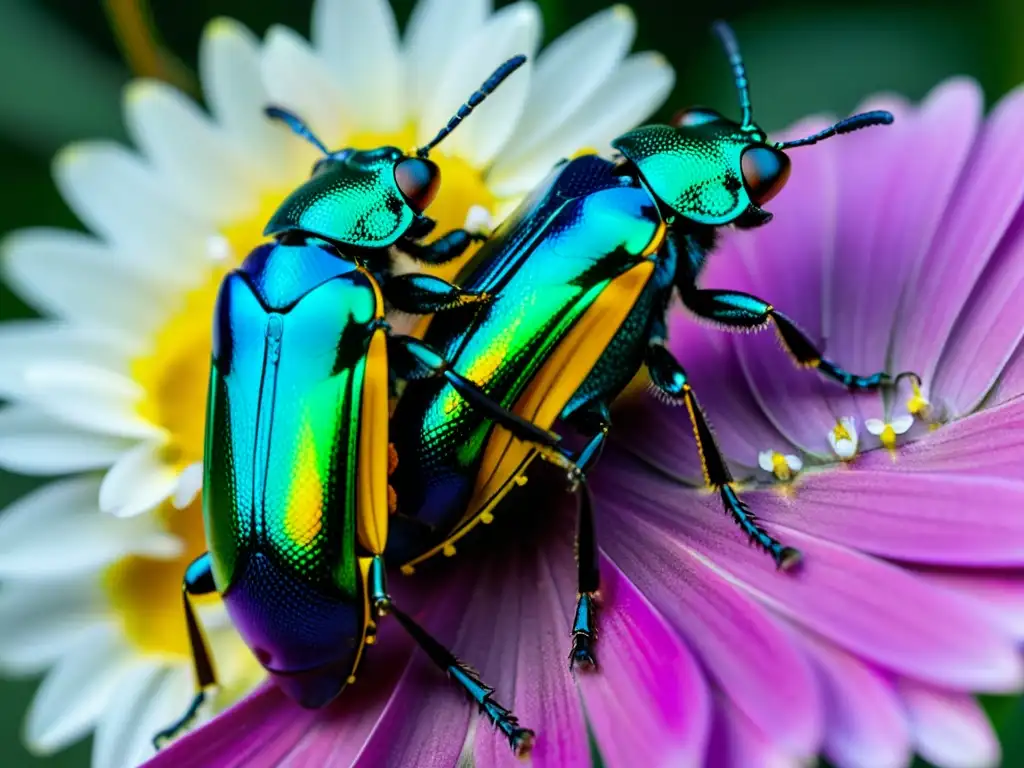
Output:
x,y
62,73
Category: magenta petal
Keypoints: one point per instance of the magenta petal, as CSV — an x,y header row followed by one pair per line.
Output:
x,y
871,608
736,743
864,722
1001,594
949,729
989,443
746,653
647,703
259,732
924,517
524,627
784,265
988,195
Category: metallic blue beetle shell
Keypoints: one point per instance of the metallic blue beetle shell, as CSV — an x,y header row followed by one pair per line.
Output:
x,y
694,170
351,199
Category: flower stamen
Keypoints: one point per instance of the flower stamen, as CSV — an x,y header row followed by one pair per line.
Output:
x,y
843,438
783,466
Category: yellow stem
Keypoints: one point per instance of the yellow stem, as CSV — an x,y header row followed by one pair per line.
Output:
x,y
132,24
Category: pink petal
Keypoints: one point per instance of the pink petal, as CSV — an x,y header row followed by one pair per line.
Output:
x,y
988,195
736,743
258,732
746,653
949,729
520,635
871,608
864,722
784,264
643,668
861,292
1001,594
924,517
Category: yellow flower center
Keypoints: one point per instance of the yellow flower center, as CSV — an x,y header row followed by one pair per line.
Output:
x,y
146,592
174,375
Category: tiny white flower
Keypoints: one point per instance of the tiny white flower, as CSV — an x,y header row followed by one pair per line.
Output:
x,y
843,438
783,466
888,431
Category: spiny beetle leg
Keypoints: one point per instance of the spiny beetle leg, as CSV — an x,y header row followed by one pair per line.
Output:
x,y
734,309
421,294
584,625
666,371
520,739
412,359
198,581
446,248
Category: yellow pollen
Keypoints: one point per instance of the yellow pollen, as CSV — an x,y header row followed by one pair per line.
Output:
x,y
780,468
145,593
840,432
888,437
917,405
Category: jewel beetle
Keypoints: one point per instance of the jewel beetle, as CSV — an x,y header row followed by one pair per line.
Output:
x,y
581,276
295,475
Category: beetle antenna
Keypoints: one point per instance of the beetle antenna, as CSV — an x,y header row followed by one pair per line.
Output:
x,y
739,72
296,123
474,101
850,124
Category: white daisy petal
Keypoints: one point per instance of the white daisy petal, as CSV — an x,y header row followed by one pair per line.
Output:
x,y
434,31
33,443
874,426
190,483
513,30
764,460
77,278
89,397
901,424
43,622
359,41
76,692
229,62
845,449
795,463
114,743
126,201
196,161
56,531
636,89
298,80
139,481
569,71
161,708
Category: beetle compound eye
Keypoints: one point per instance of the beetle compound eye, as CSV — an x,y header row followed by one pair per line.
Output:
x,y
765,171
688,118
418,179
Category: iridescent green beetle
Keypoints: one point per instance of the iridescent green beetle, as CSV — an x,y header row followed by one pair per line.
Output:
x,y
295,488
581,276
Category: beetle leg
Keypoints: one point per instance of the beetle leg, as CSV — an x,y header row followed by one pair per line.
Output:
x,y
520,739
198,581
421,294
584,625
411,358
446,248
743,311
670,377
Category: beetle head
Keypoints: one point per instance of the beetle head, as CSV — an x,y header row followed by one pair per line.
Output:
x,y
369,198
713,170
